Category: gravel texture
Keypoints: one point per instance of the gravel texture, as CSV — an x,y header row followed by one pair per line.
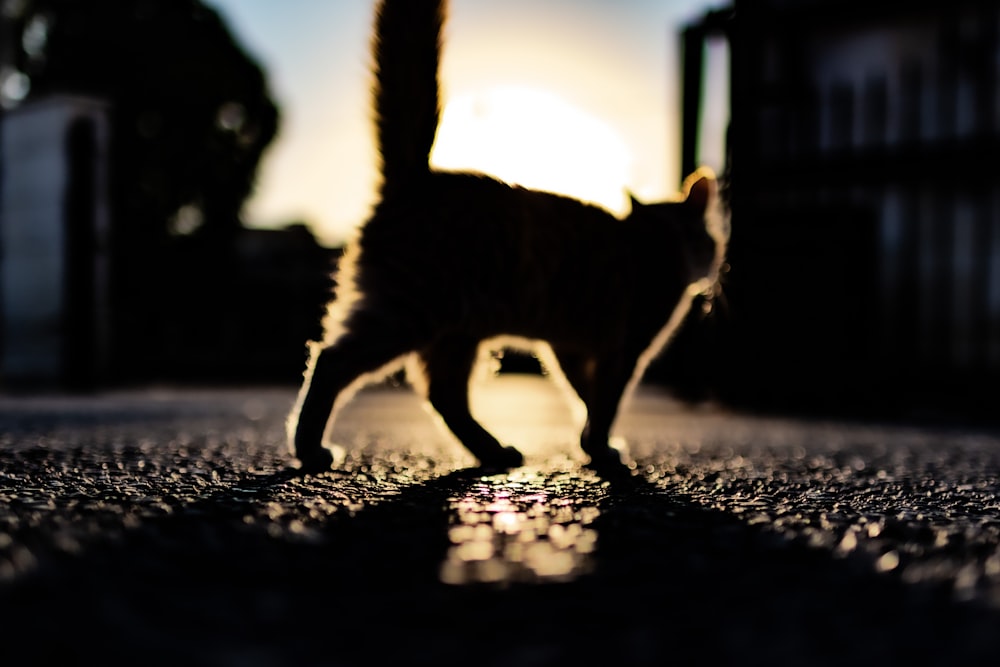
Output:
x,y
168,527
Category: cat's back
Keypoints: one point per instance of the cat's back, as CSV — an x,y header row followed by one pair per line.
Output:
x,y
467,243
452,215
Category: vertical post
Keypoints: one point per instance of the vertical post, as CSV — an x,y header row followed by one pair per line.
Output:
x,y
54,227
692,45
79,330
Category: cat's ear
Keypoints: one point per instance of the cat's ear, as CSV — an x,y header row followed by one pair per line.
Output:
x,y
701,189
634,203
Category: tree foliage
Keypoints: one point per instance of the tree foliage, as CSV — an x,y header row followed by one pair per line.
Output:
x,y
191,111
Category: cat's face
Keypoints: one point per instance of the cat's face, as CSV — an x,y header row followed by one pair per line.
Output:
x,y
697,214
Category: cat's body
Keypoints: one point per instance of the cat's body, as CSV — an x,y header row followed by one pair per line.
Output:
x,y
449,261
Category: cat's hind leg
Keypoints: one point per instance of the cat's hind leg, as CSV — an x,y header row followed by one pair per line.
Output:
x,y
601,384
447,366
331,370
577,371
611,380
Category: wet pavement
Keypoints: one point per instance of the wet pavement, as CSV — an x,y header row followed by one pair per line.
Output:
x,y
164,527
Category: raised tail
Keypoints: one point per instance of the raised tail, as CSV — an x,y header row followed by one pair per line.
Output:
x,y
406,48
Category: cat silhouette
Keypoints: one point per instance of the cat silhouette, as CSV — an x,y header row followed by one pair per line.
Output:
x,y
451,262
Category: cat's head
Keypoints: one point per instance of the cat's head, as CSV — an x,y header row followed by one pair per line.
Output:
x,y
699,217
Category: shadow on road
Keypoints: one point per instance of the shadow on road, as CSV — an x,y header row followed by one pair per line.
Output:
x,y
243,575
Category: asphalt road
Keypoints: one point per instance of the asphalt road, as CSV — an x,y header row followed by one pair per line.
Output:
x,y
165,527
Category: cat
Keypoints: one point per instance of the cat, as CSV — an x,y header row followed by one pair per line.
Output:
x,y
450,262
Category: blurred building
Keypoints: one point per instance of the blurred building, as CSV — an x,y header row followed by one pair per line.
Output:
x,y
865,251
130,133
54,229
231,308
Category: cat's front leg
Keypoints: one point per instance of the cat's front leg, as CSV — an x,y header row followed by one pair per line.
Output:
x,y
603,456
610,382
312,411
447,365
331,370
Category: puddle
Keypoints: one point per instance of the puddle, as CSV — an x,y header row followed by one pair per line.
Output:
x,y
524,526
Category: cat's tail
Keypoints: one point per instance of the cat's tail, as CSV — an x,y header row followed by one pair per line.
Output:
x,y
406,48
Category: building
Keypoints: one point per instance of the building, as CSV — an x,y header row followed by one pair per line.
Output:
x,y
54,229
130,134
86,304
865,251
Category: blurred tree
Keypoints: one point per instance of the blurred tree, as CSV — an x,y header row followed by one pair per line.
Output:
x,y
191,115
192,112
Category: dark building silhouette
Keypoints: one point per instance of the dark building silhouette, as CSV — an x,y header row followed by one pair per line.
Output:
x,y
865,250
131,135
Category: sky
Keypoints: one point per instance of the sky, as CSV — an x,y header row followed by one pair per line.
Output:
x,y
573,96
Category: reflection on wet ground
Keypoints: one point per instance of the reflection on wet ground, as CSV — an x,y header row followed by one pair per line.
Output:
x,y
531,525
918,503
172,519
525,526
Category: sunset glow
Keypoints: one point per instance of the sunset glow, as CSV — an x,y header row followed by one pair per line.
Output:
x,y
573,97
534,139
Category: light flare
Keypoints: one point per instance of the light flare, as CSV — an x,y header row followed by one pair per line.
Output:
x,y
507,528
535,139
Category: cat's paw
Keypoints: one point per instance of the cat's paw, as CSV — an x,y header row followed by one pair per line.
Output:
x,y
315,461
608,464
503,458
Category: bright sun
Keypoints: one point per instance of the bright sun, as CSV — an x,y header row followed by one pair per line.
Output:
x,y
534,139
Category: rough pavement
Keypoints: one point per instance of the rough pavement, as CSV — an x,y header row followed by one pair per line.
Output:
x,y
165,528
